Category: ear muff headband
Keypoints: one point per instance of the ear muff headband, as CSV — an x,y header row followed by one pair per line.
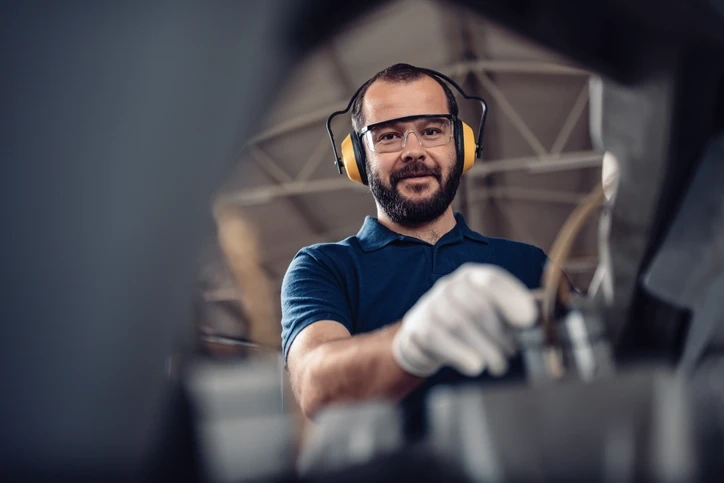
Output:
x,y
353,154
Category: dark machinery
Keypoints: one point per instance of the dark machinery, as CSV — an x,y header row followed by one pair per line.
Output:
x,y
107,110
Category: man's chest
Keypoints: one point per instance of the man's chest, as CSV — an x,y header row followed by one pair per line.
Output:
x,y
389,282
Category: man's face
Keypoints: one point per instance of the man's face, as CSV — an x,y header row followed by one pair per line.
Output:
x,y
416,185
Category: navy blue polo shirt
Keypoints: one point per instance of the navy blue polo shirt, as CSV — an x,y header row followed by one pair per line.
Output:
x,y
372,279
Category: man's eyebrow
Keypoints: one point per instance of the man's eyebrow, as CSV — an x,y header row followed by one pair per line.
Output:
x,y
384,124
392,121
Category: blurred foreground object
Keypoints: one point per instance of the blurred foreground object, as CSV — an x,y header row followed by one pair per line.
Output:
x,y
119,122
244,434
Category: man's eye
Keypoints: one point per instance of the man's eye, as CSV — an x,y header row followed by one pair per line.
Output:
x,y
388,136
431,132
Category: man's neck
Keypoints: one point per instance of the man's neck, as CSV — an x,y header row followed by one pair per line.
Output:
x,y
429,232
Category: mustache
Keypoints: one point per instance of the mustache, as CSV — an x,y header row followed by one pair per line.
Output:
x,y
414,169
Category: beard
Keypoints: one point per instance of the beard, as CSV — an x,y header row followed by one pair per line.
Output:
x,y
410,212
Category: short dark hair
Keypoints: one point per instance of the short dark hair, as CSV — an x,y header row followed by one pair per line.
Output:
x,y
401,73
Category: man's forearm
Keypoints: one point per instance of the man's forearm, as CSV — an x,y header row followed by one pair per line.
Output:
x,y
354,368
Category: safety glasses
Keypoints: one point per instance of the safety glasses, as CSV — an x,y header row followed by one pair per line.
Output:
x,y
431,130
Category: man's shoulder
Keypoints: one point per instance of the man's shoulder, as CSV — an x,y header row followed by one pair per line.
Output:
x,y
326,249
336,256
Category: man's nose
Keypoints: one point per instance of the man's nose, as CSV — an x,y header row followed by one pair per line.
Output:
x,y
412,149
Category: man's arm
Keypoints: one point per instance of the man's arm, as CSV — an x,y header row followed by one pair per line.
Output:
x,y
463,321
327,364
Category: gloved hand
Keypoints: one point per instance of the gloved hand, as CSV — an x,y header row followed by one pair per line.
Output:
x,y
464,321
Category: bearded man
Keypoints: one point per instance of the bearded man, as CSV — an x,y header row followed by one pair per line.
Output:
x,y
416,298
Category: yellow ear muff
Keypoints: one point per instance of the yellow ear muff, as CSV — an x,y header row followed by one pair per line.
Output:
x,y
468,147
349,160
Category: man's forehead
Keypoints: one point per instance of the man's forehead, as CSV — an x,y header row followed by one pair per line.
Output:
x,y
391,100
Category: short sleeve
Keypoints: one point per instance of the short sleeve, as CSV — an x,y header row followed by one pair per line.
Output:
x,y
312,290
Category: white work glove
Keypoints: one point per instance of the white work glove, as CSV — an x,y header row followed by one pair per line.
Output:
x,y
465,321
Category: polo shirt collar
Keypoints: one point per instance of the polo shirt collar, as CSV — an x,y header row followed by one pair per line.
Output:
x,y
466,231
374,235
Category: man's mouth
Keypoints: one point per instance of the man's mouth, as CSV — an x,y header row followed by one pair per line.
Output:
x,y
416,176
